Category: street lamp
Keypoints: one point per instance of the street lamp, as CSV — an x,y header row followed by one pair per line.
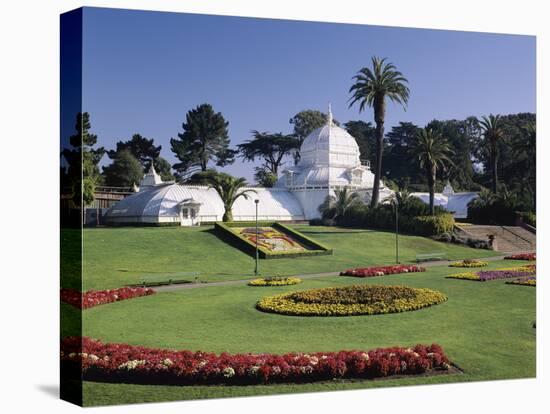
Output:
x,y
256,267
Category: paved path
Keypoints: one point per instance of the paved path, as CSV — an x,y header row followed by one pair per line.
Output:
x,y
169,288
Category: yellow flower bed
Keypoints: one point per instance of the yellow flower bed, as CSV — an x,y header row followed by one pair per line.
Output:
x,y
469,263
527,268
465,275
275,281
351,300
523,282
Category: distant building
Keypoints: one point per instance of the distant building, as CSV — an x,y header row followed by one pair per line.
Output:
x,y
329,160
456,203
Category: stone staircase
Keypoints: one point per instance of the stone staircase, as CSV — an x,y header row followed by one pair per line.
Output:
x,y
509,239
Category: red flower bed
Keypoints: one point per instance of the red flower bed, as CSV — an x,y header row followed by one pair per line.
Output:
x,y
93,298
522,256
135,364
381,270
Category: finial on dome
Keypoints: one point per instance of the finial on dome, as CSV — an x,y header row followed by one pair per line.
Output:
x,y
329,116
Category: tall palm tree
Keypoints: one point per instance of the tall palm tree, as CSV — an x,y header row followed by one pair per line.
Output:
x,y
335,206
492,132
228,188
432,151
524,149
371,88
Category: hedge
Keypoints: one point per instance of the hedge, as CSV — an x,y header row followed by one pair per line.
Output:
x,y
383,217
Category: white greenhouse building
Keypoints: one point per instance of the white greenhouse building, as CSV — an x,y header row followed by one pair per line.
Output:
x,y
329,160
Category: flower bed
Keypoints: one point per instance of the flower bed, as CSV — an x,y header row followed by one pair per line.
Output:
x,y
524,281
522,256
93,298
505,273
275,281
94,360
469,263
382,270
351,300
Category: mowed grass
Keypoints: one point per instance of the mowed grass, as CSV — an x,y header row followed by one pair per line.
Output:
x,y
117,256
486,328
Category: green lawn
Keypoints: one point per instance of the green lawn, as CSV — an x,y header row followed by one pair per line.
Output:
x,y
485,327
117,256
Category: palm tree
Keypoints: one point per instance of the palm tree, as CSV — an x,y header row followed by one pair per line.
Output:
x,y
492,132
524,149
371,88
335,206
432,151
228,188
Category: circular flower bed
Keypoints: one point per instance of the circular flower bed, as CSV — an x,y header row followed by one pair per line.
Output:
x,y
351,300
275,281
469,263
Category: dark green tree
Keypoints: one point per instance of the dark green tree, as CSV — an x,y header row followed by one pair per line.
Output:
x,y
270,148
140,147
124,171
264,177
204,139
398,165
371,88
365,135
432,152
83,161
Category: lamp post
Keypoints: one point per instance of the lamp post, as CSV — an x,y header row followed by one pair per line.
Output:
x,y
396,204
256,267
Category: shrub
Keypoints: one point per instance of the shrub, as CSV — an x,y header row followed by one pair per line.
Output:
x,y
275,281
431,225
351,300
383,217
382,270
528,218
93,298
93,360
453,237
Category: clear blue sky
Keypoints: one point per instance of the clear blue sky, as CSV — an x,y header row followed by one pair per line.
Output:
x,y
142,71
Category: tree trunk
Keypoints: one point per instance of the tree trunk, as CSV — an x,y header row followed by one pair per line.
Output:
x,y
227,215
494,168
379,115
431,183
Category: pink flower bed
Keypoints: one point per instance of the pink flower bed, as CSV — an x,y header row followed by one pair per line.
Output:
x,y
382,270
93,298
522,256
135,364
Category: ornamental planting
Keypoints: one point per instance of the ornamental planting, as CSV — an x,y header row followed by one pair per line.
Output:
x,y
275,281
93,298
469,263
351,300
523,281
505,273
522,256
382,270
93,360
